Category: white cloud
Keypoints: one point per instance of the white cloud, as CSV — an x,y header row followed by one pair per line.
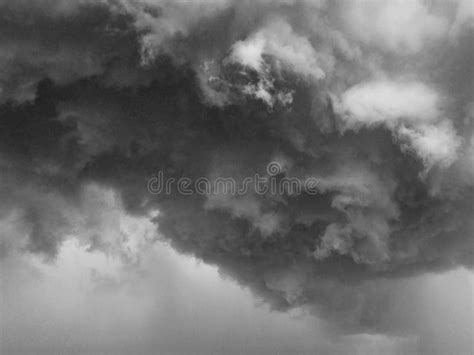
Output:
x,y
435,144
389,103
394,25
279,40
411,111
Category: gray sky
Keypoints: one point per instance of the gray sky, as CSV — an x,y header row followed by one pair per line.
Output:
x,y
92,303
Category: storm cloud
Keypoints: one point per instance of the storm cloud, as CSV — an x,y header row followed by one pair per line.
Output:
x,y
109,93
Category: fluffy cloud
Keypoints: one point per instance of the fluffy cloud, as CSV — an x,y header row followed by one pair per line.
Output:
x,y
399,26
277,39
389,103
435,144
410,111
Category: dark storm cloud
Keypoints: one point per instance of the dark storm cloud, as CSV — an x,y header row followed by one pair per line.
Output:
x,y
125,89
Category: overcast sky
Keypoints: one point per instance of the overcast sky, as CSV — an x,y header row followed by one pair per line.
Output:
x,y
86,303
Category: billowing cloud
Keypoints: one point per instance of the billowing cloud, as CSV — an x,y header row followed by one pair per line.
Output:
x,y
411,111
278,40
109,93
390,103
